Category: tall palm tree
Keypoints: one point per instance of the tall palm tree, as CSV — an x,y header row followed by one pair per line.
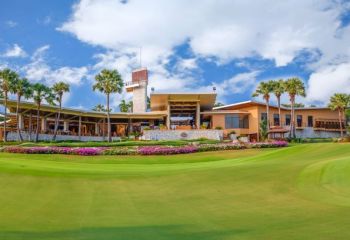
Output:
x,y
294,87
340,102
265,89
7,79
99,108
124,106
58,90
108,82
278,90
40,93
22,88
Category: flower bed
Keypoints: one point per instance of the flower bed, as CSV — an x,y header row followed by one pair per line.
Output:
x,y
141,150
55,150
157,150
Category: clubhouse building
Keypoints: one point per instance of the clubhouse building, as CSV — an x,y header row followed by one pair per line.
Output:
x,y
169,116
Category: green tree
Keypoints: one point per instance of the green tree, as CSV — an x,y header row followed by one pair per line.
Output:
x,y
294,87
340,102
278,90
123,106
99,108
7,79
22,88
264,89
219,104
41,93
58,90
108,82
264,131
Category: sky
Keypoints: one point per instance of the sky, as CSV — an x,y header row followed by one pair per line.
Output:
x,y
187,46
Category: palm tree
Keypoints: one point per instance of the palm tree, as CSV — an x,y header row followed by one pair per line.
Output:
x,y
99,108
22,88
264,89
7,79
278,90
58,90
294,87
40,93
108,82
340,102
124,106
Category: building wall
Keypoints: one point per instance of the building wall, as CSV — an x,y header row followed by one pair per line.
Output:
x,y
140,98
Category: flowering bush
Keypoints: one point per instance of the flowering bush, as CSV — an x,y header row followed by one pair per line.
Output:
x,y
142,150
220,146
158,150
274,144
120,151
55,150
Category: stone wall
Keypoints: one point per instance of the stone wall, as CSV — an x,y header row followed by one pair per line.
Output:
x,y
12,136
309,132
182,134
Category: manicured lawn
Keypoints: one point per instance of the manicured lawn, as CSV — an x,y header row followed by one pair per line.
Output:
x,y
299,192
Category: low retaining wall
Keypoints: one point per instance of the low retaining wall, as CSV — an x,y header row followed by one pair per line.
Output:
x,y
309,132
12,136
182,134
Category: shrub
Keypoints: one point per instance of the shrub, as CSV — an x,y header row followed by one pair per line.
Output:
x,y
220,146
232,132
158,150
120,151
218,128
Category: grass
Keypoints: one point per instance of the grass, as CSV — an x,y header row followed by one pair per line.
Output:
x,y
299,192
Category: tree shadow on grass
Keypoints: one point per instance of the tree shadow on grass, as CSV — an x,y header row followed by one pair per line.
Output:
x,y
167,232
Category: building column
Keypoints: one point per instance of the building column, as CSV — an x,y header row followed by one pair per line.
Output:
x,y
168,117
198,116
65,125
97,130
43,124
103,128
20,121
79,128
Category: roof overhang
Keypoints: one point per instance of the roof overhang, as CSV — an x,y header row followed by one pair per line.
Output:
x,y
159,101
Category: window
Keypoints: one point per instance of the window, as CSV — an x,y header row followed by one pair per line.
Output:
x,y
263,116
310,121
288,119
276,119
299,120
232,121
236,121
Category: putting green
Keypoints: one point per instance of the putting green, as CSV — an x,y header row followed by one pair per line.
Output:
x,y
299,192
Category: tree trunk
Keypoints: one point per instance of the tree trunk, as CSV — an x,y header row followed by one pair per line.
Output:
x,y
57,120
268,116
293,135
279,111
19,135
5,116
37,123
108,121
30,127
340,123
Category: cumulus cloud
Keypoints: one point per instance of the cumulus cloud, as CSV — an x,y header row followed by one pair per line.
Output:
x,y
328,80
38,70
15,51
217,30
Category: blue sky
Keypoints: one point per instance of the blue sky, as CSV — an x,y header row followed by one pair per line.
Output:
x,y
188,46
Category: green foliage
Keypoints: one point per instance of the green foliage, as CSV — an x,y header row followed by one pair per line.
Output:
x,y
296,105
218,128
264,89
125,106
42,92
108,81
219,104
263,130
295,87
100,108
59,89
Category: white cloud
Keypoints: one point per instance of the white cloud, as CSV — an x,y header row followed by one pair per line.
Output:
x,y
15,51
40,71
11,23
329,80
220,30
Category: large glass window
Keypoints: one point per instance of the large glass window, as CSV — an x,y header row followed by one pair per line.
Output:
x,y
236,121
263,116
299,120
276,119
288,117
310,121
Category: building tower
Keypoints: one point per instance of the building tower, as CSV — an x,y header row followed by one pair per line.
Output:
x,y
138,86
